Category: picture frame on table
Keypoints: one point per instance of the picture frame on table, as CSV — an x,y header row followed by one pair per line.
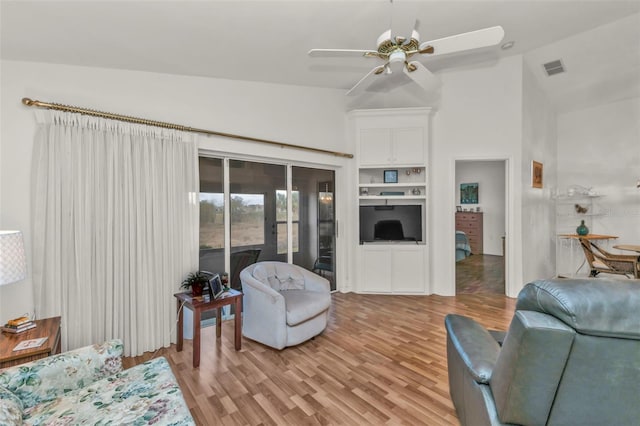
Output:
x,y
215,286
390,176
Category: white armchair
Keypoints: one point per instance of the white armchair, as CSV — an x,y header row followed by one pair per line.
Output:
x,y
284,304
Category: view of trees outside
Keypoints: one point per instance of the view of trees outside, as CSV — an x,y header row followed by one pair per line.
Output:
x,y
247,220
211,220
281,219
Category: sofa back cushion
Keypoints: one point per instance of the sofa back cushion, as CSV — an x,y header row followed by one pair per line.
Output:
x,y
600,384
529,367
595,307
46,379
279,276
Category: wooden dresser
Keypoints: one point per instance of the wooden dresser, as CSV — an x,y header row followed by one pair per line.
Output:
x,y
471,224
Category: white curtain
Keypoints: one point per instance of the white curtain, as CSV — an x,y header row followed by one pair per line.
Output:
x,y
114,226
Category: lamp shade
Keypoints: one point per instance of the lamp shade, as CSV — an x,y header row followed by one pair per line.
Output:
x,y
13,264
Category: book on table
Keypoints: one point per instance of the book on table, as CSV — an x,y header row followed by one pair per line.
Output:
x,y
18,321
30,344
18,329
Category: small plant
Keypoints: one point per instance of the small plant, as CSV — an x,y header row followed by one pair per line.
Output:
x,y
196,281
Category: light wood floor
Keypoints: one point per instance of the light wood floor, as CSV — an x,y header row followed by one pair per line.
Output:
x,y
381,360
480,273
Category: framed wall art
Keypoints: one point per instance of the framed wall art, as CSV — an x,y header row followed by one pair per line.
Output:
x,y
536,174
468,193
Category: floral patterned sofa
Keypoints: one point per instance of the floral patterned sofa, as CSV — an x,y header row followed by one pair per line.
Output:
x,y
89,386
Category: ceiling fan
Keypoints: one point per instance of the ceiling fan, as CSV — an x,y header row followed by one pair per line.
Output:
x,y
400,53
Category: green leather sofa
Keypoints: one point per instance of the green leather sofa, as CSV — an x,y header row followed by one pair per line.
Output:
x,y
571,356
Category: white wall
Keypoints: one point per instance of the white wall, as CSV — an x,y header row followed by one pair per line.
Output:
x,y
539,140
480,118
491,199
599,147
298,115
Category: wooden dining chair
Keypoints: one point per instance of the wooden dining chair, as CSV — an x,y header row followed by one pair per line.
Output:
x,y
601,260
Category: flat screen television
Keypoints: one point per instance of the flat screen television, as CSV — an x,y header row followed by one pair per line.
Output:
x,y
382,223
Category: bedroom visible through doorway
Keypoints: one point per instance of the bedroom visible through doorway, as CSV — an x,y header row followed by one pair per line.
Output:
x,y
480,226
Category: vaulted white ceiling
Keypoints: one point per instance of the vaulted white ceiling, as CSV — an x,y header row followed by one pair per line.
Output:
x,y
267,41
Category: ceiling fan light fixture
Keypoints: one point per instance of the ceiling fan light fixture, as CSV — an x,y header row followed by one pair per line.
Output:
x,y
397,56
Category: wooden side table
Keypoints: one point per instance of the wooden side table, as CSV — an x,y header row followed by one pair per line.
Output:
x,y
48,327
202,304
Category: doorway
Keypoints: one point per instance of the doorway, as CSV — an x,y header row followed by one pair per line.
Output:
x,y
481,194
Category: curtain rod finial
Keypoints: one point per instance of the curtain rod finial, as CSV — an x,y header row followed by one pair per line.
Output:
x,y
27,101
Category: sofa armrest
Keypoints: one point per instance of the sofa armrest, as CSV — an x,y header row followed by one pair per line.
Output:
x,y
474,345
47,378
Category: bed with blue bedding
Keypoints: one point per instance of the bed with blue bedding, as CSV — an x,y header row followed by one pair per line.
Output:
x,y
463,249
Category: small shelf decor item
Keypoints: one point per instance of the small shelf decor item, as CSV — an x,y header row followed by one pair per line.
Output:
x,y
468,193
536,174
582,229
390,176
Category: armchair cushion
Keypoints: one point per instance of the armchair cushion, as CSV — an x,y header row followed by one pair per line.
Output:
x,y
279,276
302,305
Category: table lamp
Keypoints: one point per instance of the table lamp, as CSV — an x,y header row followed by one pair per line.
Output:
x,y
13,264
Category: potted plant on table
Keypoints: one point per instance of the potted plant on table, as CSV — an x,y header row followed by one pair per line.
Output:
x,y
196,281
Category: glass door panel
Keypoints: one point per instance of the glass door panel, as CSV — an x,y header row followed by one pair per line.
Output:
x,y
211,214
314,220
254,211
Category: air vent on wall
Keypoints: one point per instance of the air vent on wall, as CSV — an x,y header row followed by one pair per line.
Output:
x,y
553,67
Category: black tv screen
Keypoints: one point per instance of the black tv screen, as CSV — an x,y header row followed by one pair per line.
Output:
x,y
382,223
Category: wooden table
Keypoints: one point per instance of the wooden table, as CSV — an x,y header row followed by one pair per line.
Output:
x,y
588,236
627,247
574,238
202,304
48,327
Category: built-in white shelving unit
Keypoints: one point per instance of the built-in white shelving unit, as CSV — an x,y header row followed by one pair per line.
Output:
x,y
396,141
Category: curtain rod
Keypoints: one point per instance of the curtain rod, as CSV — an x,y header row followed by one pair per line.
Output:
x,y
59,107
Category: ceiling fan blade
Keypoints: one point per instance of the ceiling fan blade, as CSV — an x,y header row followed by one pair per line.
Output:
x,y
422,76
403,19
339,52
465,41
365,81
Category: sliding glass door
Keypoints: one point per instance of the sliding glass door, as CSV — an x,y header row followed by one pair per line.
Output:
x,y
266,215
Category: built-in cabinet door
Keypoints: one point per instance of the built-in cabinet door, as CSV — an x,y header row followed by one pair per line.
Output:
x,y
376,271
395,268
408,269
408,145
385,147
375,147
